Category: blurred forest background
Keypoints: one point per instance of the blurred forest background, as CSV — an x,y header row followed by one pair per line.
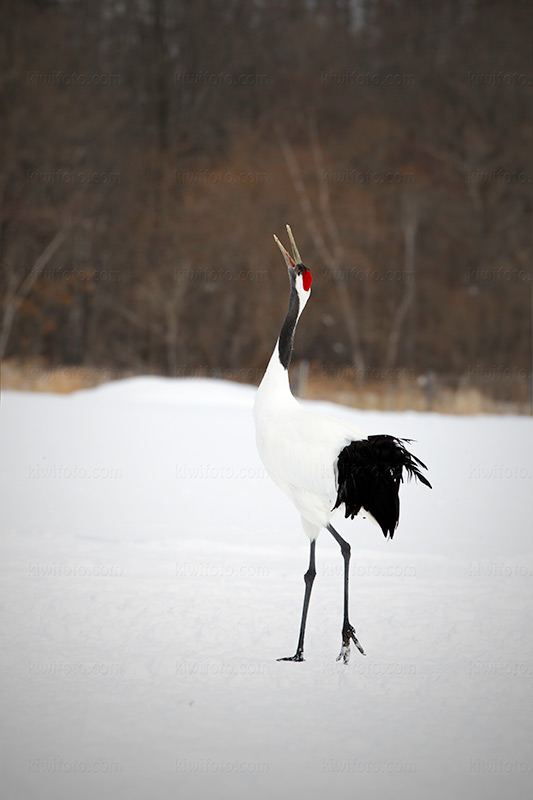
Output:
x,y
150,148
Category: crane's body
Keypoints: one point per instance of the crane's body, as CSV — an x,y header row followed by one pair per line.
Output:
x,y
321,462
298,447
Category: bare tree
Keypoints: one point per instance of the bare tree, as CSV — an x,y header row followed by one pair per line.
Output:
x,y
18,290
410,220
332,252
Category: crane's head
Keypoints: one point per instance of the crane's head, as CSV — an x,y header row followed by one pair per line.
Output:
x,y
299,275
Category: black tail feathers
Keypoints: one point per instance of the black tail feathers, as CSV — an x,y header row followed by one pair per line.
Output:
x,y
369,475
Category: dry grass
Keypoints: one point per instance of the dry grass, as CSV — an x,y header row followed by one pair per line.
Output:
x,y
400,393
403,391
37,377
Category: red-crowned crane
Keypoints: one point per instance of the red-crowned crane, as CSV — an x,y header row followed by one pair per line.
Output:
x,y
320,462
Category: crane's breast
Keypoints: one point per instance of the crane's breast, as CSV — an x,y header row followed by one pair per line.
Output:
x,y
301,464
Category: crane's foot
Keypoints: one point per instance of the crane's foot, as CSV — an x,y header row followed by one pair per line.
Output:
x,y
297,657
348,635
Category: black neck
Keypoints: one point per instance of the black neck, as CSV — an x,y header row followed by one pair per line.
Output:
x,y
286,337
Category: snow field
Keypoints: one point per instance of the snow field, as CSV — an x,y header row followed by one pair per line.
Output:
x,y
152,574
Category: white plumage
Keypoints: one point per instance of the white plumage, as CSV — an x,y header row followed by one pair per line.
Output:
x,y
321,462
299,448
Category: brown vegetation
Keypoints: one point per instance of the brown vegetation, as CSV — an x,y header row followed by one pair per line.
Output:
x,y
152,147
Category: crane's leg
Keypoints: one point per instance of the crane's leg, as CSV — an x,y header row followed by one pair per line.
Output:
x,y
309,577
348,631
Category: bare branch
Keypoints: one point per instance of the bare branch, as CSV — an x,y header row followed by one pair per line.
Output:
x,y
15,296
410,227
330,256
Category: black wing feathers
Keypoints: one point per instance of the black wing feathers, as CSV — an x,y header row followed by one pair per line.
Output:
x,y
369,475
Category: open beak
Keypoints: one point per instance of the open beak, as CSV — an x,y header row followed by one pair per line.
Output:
x,y
296,258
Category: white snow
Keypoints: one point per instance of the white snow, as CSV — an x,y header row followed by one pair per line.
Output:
x,y
152,574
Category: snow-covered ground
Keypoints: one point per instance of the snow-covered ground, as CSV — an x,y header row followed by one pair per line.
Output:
x,y
152,574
